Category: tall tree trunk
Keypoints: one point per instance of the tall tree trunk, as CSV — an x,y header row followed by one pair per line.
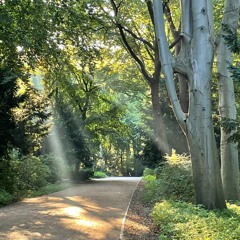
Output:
x,y
159,126
183,93
197,57
183,84
227,107
128,160
200,135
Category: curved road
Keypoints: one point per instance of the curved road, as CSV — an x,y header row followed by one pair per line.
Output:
x,y
91,211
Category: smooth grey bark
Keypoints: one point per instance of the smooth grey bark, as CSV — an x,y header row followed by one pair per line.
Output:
x,y
195,62
227,106
182,81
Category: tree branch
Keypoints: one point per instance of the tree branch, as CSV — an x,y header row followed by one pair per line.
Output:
x,y
133,54
127,45
138,38
175,42
168,15
166,57
150,10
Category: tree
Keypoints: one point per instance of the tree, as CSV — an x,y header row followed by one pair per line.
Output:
x,y
26,35
8,101
140,44
32,118
227,106
194,61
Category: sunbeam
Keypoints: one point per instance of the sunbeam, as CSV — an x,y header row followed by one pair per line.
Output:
x,y
57,148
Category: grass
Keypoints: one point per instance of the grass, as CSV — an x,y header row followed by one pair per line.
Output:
x,y
6,198
50,188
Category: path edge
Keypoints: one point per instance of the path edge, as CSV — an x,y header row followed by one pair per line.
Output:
x,y
125,215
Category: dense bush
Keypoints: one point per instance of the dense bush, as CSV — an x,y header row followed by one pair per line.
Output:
x,y
31,173
179,220
28,174
175,178
86,174
57,169
152,193
20,174
83,175
5,198
148,171
172,180
171,189
99,174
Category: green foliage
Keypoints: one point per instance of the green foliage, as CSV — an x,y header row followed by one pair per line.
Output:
x,y
86,174
23,113
5,198
71,135
152,188
232,126
172,180
8,101
233,42
50,188
148,171
32,121
232,39
29,173
151,155
83,175
57,168
99,174
19,174
179,220
175,177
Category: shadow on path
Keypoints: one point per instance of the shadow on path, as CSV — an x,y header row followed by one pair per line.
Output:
x,y
89,211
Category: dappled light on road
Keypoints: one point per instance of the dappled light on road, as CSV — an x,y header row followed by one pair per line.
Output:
x,y
73,211
88,211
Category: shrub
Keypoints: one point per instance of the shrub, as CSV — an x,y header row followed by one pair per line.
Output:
x,y
29,174
21,174
83,175
99,174
152,193
172,180
175,178
148,171
57,169
179,220
86,174
5,198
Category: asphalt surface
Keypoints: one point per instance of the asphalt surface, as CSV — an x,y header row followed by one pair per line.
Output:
x,y
92,211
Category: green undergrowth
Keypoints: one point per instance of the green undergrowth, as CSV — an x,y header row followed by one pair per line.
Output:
x,y
51,188
171,180
186,221
170,192
99,174
6,198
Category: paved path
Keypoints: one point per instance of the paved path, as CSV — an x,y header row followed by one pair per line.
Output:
x,y
91,211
